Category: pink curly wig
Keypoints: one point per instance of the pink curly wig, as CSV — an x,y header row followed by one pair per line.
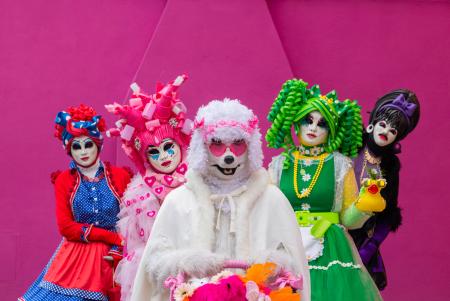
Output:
x,y
149,119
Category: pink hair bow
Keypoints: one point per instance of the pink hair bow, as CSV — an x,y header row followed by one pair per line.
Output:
x,y
199,123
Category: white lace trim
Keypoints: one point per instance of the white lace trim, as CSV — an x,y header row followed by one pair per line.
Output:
x,y
334,262
275,169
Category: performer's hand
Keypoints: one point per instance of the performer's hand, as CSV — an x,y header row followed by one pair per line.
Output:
x,y
113,258
203,264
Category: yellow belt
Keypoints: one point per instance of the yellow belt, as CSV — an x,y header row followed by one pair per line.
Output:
x,y
320,221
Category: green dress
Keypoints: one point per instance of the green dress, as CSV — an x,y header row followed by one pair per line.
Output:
x,y
335,269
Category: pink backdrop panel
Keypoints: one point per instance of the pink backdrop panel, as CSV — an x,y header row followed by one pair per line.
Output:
x,y
227,48
54,54
364,49
57,53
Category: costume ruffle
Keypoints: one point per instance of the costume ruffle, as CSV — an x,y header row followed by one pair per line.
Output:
x,y
76,272
136,217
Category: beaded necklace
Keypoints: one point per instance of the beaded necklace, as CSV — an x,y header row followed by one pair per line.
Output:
x,y
372,160
297,158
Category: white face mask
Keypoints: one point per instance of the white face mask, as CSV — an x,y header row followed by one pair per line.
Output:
x,y
84,151
313,129
227,161
383,133
165,157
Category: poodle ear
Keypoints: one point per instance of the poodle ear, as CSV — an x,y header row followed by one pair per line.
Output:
x,y
197,156
255,154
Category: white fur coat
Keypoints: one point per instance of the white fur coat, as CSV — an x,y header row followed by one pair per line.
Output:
x,y
184,235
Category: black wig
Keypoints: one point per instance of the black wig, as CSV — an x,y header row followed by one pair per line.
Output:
x,y
396,118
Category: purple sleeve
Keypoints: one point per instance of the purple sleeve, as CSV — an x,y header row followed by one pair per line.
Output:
x,y
371,245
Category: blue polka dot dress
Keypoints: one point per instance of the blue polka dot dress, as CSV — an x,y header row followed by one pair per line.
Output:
x,y
77,270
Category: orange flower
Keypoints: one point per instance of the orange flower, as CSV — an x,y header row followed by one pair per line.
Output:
x,y
259,273
284,294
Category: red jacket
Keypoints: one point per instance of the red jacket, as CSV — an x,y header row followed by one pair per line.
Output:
x,y
66,185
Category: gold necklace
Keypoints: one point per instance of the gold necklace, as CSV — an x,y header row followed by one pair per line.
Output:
x,y
370,158
308,190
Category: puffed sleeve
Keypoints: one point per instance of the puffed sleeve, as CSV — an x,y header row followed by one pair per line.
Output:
x,y
68,228
352,217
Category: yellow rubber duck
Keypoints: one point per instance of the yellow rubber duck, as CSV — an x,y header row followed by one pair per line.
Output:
x,y
370,199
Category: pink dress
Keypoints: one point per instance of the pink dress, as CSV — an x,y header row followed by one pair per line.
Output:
x,y
141,203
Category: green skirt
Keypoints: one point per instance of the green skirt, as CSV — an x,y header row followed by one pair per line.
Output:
x,y
336,275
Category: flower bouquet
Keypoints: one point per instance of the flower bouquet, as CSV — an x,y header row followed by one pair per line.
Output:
x,y
260,282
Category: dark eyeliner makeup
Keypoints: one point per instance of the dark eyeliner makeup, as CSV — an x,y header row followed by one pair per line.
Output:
x,y
153,151
307,120
168,146
322,123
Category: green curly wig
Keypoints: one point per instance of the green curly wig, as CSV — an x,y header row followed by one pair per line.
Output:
x,y
296,101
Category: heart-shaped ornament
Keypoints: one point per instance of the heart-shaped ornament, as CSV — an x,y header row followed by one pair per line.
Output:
x,y
150,181
158,190
182,169
168,179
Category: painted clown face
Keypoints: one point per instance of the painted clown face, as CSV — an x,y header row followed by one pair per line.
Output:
x,y
383,133
226,159
313,129
84,151
165,157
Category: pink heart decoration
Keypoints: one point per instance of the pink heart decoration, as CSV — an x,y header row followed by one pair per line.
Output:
x,y
150,181
158,190
138,210
151,213
168,179
141,233
182,169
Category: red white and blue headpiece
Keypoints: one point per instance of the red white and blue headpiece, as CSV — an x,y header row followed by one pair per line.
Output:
x,y
79,121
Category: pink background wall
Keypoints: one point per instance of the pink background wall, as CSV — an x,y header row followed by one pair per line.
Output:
x,y
57,53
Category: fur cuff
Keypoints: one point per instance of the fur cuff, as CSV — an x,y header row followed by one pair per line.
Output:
x,y
195,263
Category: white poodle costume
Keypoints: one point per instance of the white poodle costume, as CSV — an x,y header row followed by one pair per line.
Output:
x,y
210,219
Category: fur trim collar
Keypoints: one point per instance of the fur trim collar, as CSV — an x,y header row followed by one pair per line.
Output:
x,y
255,185
245,201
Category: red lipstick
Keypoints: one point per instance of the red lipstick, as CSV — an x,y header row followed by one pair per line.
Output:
x,y
383,137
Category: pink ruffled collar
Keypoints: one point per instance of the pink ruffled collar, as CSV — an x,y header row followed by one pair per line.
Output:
x,y
162,184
